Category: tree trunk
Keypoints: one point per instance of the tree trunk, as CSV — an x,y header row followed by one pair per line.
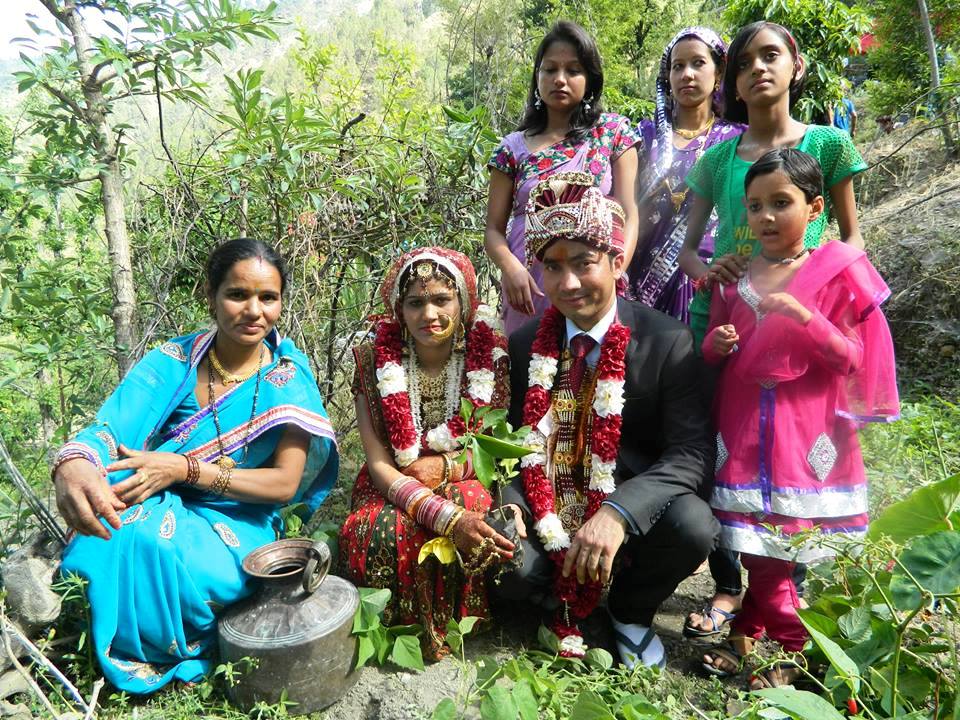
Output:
x,y
948,140
111,192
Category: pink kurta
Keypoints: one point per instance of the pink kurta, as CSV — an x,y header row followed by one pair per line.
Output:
x,y
790,400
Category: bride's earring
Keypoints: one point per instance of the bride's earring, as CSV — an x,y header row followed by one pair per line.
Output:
x,y
537,103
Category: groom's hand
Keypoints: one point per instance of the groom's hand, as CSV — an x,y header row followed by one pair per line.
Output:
x,y
595,545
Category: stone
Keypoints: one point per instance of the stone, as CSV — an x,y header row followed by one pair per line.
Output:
x,y
27,577
11,711
11,683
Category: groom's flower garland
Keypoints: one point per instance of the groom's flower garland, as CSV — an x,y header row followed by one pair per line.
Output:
x,y
482,344
604,442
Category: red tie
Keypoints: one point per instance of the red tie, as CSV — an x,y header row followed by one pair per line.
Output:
x,y
580,347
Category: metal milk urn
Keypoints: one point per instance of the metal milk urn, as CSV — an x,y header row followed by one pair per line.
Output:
x,y
297,628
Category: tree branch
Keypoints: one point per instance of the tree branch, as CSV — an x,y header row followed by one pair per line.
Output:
x,y
55,10
76,107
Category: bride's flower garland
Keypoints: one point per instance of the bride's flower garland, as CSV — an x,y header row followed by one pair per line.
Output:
x,y
483,345
604,442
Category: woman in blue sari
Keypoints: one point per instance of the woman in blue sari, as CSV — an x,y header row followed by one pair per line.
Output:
x,y
184,471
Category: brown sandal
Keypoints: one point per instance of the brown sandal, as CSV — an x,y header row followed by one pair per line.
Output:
x,y
777,675
730,656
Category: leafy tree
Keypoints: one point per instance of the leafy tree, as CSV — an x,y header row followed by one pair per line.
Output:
x,y
86,77
826,31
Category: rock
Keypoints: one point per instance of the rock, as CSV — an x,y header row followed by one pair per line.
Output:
x,y
9,711
11,683
948,351
27,577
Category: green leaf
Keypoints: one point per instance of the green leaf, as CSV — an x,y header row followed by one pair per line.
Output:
x,y
498,704
934,562
406,653
855,625
598,659
494,417
483,465
501,448
466,409
525,700
365,650
467,623
446,709
923,512
590,706
842,664
547,639
800,703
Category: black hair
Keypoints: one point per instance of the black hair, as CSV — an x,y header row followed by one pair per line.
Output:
x,y
802,169
231,252
736,109
534,118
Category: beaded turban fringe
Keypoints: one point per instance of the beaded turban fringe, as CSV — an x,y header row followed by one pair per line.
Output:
x,y
569,206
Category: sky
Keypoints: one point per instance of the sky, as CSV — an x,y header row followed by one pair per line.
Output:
x,y
13,23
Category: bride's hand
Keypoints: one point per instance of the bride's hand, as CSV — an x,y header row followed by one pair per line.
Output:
x,y
471,530
427,470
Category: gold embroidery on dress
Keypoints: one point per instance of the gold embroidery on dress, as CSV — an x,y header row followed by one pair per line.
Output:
x,y
571,444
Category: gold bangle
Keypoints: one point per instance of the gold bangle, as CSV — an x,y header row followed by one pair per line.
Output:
x,y
222,483
452,523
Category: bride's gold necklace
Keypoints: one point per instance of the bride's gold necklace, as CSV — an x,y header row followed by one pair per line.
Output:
x,y
691,134
229,378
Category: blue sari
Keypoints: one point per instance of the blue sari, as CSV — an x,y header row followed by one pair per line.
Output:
x,y
155,587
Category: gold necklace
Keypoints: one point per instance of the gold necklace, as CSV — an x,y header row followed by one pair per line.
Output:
x,y
229,378
225,461
691,134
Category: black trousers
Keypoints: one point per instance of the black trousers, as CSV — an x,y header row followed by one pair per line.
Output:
x,y
649,567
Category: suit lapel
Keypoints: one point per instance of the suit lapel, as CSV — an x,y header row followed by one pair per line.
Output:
x,y
627,317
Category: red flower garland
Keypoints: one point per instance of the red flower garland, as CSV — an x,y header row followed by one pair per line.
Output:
x,y
481,340
604,443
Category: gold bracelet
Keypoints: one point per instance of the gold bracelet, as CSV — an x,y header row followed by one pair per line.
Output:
x,y
452,523
222,483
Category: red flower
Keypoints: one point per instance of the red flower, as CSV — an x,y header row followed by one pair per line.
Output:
x,y
545,164
595,167
605,151
569,152
852,706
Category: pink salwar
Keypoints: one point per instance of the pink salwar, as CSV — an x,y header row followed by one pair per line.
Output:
x,y
770,603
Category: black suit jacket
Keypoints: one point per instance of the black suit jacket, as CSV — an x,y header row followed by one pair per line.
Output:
x,y
666,442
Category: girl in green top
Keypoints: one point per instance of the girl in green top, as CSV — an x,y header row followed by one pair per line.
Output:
x,y
763,79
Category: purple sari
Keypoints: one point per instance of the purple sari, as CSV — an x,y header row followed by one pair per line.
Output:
x,y
655,276
610,137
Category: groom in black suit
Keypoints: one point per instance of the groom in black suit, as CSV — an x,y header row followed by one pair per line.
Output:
x,y
655,523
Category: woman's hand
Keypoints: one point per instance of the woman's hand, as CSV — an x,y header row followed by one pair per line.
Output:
x,y
724,339
786,305
727,269
518,519
519,287
155,471
82,494
471,530
426,470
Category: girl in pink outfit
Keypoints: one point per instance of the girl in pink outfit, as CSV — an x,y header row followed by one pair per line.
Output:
x,y
806,358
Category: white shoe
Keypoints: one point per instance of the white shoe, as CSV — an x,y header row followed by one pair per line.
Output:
x,y
635,641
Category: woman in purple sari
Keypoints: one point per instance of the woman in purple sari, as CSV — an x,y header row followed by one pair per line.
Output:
x,y
564,129
688,121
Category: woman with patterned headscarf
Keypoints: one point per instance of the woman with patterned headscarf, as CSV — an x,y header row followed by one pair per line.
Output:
x,y
435,346
688,120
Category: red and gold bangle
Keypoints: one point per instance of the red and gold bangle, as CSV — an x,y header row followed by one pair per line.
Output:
x,y
193,470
